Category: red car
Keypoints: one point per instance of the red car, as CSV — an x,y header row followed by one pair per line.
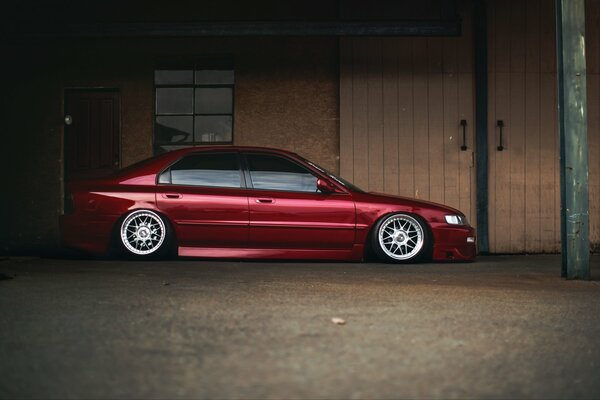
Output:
x,y
250,202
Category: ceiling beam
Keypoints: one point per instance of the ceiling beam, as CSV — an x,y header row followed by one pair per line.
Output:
x,y
246,28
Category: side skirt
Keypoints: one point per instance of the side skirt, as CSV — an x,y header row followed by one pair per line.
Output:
x,y
354,254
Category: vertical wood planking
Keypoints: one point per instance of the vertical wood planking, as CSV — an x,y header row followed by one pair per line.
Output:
x,y
552,65
465,51
436,120
532,128
517,128
346,112
466,167
523,177
593,103
375,115
406,141
360,113
592,33
502,225
549,184
452,132
549,188
466,173
491,124
390,115
502,198
421,120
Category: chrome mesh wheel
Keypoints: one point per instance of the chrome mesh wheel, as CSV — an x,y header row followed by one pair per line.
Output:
x,y
401,237
142,232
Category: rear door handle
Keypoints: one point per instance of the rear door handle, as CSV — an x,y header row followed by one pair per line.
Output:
x,y
265,201
171,195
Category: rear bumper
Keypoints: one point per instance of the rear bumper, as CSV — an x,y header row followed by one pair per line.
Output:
x,y
90,233
454,243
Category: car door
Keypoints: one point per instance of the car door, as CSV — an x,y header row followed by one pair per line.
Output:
x,y
287,211
203,195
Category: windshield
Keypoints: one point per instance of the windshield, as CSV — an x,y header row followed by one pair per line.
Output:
x,y
336,178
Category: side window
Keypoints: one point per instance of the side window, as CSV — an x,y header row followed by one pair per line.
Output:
x,y
277,173
218,170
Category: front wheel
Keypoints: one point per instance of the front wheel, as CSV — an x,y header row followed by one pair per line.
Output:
x,y
144,234
400,238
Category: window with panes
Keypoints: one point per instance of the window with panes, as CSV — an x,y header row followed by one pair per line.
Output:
x,y
193,103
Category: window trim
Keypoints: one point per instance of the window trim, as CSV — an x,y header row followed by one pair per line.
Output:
x,y
243,184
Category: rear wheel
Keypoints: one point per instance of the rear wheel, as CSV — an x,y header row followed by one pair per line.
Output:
x,y
400,238
144,234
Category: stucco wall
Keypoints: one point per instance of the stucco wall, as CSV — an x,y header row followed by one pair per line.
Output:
x,y
286,96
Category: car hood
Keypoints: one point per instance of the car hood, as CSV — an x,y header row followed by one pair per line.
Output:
x,y
374,197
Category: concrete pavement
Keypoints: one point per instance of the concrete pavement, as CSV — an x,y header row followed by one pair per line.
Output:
x,y
504,326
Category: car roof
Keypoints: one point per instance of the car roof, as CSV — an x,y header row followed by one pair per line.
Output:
x,y
154,165
187,150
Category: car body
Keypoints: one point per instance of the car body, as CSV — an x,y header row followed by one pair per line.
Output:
x,y
284,207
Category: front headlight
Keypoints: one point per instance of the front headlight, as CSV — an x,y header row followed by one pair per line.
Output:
x,y
456,219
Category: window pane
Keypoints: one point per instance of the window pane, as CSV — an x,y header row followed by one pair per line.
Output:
x,y
213,128
214,101
173,77
276,173
174,129
174,100
220,170
214,77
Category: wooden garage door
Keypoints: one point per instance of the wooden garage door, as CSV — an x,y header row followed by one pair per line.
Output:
x,y
524,185
524,196
401,105
524,177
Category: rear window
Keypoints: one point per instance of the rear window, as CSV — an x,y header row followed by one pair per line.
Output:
x,y
213,170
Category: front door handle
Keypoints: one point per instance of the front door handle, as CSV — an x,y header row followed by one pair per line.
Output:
x,y
265,201
171,195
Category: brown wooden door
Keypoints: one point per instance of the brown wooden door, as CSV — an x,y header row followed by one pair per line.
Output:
x,y
92,136
524,196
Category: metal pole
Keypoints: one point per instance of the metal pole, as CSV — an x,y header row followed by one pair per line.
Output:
x,y
572,110
481,120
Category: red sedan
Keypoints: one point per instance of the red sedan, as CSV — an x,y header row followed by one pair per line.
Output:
x,y
249,202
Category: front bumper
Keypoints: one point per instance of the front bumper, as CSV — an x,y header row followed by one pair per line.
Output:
x,y
454,243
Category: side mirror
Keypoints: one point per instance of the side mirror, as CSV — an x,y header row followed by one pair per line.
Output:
x,y
325,186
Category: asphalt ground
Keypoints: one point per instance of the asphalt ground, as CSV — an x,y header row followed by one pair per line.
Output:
x,y
502,327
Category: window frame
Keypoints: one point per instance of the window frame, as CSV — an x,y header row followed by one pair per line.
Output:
x,y
243,183
193,64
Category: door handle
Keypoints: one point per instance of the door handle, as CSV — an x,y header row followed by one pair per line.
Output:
x,y
463,123
500,124
171,195
265,201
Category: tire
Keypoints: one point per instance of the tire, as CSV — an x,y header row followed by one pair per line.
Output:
x,y
400,237
144,234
